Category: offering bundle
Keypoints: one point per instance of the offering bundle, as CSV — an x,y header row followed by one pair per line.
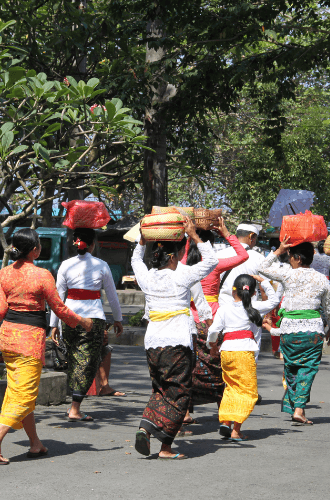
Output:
x,y
163,226
305,227
81,213
206,219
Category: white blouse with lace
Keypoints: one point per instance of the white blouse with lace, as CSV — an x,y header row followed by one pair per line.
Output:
x,y
304,288
168,290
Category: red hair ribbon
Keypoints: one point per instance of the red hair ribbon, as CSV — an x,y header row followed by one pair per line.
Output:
x,y
246,287
80,244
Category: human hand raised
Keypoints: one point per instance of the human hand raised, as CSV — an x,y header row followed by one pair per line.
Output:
x,y
284,246
221,228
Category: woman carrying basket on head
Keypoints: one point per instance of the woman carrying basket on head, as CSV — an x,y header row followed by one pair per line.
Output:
x,y
168,340
301,328
24,289
82,278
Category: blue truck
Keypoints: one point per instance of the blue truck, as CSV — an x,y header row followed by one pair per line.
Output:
x,y
54,251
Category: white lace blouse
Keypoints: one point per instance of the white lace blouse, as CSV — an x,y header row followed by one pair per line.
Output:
x,y
167,290
304,288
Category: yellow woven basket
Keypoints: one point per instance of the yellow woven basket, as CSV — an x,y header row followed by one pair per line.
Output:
x,y
174,218
163,233
185,211
326,246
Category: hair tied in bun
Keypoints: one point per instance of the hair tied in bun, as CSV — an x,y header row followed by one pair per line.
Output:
x,y
80,244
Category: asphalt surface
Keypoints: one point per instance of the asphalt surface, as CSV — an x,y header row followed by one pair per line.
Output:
x,y
98,460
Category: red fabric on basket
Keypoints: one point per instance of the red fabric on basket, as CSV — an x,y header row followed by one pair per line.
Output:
x,y
81,213
302,228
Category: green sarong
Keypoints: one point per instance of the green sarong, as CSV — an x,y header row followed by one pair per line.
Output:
x,y
302,352
83,356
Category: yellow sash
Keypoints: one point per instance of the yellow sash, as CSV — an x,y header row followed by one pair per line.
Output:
x,y
212,298
163,315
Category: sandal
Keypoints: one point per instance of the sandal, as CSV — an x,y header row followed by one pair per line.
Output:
x,y
297,421
84,418
4,461
178,456
142,443
225,431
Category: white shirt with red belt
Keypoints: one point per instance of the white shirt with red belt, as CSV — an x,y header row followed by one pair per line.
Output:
x,y
85,272
233,317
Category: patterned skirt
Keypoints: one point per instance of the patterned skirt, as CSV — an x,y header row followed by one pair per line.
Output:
x,y
239,371
302,352
207,383
170,372
83,356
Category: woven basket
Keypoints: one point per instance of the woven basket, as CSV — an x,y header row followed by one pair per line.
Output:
x,y
185,211
163,210
163,233
206,219
326,246
163,219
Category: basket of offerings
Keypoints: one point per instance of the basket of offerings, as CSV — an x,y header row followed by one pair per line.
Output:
x,y
163,227
326,246
206,219
82,213
185,211
302,228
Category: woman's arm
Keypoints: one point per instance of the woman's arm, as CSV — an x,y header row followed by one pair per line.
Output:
x,y
3,304
202,306
62,287
216,327
272,301
139,268
267,267
230,262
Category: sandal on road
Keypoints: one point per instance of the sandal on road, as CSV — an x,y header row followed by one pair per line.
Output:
x,y
4,461
225,431
178,456
113,393
298,421
84,418
37,454
142,443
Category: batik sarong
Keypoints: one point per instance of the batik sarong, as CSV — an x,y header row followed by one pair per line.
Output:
x,y
170,372
207,383
302,352
239,372
83,356
23,378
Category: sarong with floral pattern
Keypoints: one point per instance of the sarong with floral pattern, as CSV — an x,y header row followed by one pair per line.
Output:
x,y
207,383
83,356
302,352
170,372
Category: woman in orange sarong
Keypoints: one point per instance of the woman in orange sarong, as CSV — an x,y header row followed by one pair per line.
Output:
x,y
24,289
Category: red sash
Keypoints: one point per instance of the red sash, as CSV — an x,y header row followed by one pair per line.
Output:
x,y
80,294
241,334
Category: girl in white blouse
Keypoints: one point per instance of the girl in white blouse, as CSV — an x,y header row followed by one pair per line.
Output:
x,y
239,370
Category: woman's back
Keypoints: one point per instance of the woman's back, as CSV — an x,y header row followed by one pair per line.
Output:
x,y
25,286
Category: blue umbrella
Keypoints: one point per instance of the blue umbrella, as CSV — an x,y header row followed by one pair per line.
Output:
x,y
289,202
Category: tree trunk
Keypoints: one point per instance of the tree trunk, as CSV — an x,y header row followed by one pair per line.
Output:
x,y
155,170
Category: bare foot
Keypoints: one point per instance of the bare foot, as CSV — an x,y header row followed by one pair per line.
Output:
x,y
37,447
109,391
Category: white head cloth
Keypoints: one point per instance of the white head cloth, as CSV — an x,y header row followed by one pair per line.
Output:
x,y
248,227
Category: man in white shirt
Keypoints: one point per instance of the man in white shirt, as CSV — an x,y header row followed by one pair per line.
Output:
x,y
247,235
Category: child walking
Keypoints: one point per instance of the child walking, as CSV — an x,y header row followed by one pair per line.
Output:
x,y
239,369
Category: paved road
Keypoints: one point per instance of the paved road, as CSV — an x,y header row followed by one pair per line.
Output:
x,y
98,460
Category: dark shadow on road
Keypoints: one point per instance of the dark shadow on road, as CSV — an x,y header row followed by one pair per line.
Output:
x,y
60,448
